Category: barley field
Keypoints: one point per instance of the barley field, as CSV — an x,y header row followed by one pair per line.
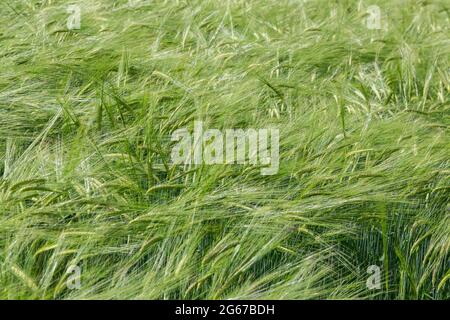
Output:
x,y
93,205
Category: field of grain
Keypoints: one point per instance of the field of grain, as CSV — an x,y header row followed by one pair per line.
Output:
x,y
92,205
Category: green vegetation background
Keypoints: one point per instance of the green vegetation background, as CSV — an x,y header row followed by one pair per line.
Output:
x,y
85,173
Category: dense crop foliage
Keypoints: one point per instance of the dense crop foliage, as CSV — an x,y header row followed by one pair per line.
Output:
x,y
86,177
